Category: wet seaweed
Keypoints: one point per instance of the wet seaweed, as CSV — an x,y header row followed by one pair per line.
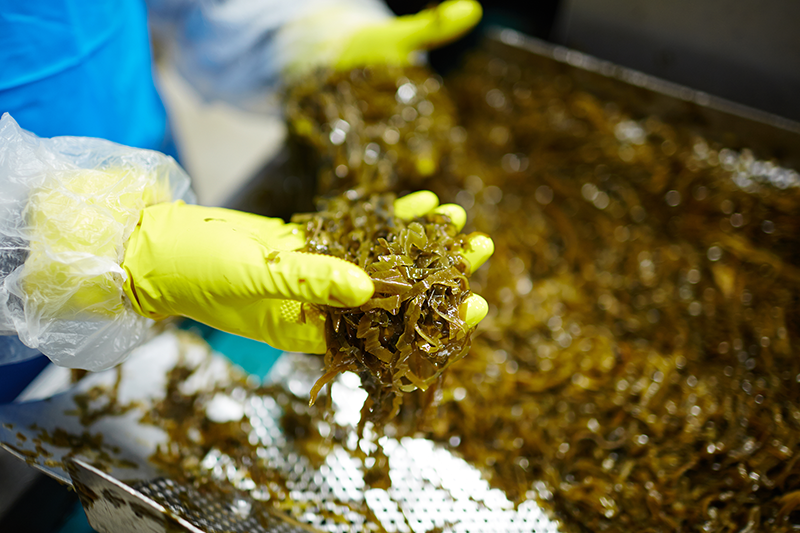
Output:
x,y
638,367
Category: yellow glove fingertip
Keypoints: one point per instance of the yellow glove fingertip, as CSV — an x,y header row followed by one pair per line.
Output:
x,y
352,288
455,213
473,310
444,23
415,204
460,15
396,41
316,278
479,250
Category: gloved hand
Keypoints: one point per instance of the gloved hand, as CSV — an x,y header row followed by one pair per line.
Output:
x,y
242,273
347,35
395,41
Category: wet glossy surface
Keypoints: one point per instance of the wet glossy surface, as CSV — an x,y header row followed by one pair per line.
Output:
x,y
638,367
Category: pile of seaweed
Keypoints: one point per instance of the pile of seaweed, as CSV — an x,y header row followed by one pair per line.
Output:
x,y
373,130
638,368
410,331
639,364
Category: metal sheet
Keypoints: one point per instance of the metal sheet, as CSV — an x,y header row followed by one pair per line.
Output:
x,y
431,487
162,505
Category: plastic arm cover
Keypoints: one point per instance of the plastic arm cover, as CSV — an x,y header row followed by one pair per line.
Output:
x,y
67,207
236,49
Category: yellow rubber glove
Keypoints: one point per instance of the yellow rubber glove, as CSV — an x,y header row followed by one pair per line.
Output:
x,y
242,273
396,40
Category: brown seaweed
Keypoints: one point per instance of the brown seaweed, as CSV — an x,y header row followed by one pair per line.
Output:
x,y
373,130
638,368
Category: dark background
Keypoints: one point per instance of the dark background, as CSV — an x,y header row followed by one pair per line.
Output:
x,y
744,51
533,18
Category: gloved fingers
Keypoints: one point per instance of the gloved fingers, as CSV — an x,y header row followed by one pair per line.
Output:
x,y
181,258
478,250
293,327
421,203
439,25
417,204
396,41
293,275
283,324
316,278
473,310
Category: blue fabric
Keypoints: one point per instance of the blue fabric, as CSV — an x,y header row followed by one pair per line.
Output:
x,y
19,365
84,68
14,377
13,351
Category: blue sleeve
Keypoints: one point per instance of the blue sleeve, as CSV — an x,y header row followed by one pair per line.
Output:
x,y
18,374
72,67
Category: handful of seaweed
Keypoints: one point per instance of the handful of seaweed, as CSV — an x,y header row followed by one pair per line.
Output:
x,y
410,331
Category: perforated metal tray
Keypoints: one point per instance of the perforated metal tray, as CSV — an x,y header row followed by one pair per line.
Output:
x,y
122,492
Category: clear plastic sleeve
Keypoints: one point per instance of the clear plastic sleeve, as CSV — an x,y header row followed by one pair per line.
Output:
x,y
67,207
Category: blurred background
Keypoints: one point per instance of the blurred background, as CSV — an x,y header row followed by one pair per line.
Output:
x,y
747,52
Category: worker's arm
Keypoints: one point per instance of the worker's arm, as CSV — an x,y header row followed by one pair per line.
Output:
x,y
235,50
68,205
98,243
